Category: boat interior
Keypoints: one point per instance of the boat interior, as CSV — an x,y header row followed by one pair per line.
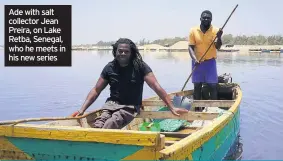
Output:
x,y
195,120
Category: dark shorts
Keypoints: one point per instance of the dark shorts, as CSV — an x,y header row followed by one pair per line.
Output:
x,y
114,116
206,72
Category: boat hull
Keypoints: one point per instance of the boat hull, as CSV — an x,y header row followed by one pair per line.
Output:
x,y
54,142
41,149
44,142
217,147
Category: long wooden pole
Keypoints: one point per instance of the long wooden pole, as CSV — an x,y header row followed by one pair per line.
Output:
x,y
208,48
13,122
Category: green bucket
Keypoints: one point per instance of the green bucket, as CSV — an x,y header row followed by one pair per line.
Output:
x,y
154,126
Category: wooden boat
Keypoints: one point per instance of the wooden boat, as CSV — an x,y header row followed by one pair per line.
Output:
x,y
209,136
255,50
229,50
275,50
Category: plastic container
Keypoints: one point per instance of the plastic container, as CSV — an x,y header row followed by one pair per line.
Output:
x,y
187,103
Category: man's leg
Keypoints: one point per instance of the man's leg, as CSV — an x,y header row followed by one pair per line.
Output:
x,y
100,120
213,91
197,94
211,78
107,111
197,91
120,118
197,80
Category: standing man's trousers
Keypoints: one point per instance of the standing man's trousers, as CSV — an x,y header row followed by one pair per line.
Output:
x,y
205,72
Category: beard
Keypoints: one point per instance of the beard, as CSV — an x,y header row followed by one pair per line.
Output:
x,y
206,24
123,60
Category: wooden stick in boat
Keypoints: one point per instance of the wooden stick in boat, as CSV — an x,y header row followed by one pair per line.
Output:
x,y
14,122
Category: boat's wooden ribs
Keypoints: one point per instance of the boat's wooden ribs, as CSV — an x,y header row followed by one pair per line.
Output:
x,y
176,134
196,103
168,115
171,95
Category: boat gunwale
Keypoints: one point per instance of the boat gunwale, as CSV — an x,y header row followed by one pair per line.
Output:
x,y
55,132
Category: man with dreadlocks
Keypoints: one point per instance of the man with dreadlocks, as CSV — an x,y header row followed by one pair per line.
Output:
x,y
125,75
200,38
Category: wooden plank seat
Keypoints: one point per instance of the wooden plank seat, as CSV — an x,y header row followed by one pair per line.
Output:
x,y
196,103
168,115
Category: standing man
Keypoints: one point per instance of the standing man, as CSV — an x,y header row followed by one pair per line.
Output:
x,y
125,75
200,38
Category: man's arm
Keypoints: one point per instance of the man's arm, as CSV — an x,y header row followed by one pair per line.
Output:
x,y
192,53
218,43
93,94
153,84
191,46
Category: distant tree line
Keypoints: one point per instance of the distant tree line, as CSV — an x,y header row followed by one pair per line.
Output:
x,y
107,43
252,40
226,39
163,42
169,41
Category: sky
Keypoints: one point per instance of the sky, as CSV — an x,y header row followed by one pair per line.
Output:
x,y
108,20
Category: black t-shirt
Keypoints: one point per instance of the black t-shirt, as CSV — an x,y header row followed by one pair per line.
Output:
x,y
126,83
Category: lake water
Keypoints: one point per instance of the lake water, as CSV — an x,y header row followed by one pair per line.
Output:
x,y
59,91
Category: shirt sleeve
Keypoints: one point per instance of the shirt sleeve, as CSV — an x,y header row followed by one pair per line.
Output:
x,y
104,73
146,69
191,38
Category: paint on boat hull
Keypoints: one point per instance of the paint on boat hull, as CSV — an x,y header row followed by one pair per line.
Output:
x,y
218,146
66,150
41,149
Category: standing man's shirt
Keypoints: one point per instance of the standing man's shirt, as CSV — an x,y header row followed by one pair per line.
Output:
x,y
202,41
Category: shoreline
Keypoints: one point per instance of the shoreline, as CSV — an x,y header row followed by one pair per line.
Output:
x,y
183,47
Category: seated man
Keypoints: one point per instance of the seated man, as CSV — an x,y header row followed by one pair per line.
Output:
x,y
125,75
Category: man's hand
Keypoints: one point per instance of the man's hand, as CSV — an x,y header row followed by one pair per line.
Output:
x,y
218,43
197,62
178,111
219,33
77,113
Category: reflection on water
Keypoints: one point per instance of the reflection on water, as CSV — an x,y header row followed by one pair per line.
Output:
x,y
236,150
46,92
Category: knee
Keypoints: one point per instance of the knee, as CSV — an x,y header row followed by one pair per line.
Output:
x,y
111,124
115,122
197,85
212,85
102,119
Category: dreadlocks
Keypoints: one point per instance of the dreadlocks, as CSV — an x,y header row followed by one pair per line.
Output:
x,y
136,57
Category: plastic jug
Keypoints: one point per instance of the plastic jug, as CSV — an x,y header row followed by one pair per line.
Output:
x,y
187,103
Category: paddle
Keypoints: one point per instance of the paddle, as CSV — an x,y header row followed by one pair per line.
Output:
x,y
46,119
208,49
